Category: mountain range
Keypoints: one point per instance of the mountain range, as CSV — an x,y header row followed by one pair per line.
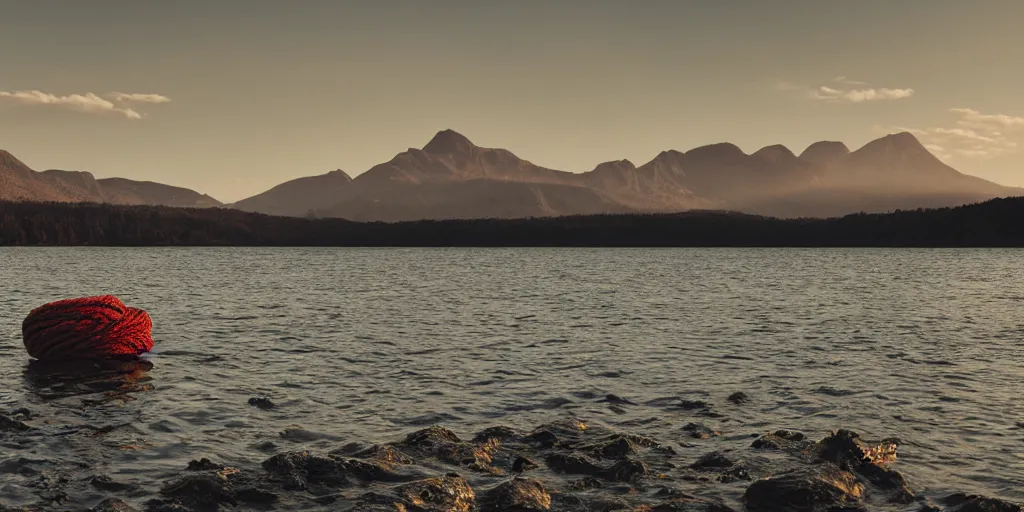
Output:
x,y
450,177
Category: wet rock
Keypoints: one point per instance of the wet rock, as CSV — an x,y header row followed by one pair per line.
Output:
x,y
450,493
516,495
266,446
734,474
739,398
700,431
8,424
573,464
846,448
691,405
261,402
691,504
961,502
300,470
787,440
629,470
522,465
105,483
617,400
256,496
805,490
205,491
302,435
112,505
446,446
713,460
584,484
501,433
204,464
384,453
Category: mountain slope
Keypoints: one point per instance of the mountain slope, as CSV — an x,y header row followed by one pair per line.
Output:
x,y
18,182
300,196
125,191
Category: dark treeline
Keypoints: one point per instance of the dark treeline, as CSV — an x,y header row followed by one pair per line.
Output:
x,y
996,223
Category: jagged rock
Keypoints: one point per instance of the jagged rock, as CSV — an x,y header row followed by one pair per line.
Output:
x,y
450,493
516,495
522,465
805,490
844,447
445,445
8,424
298,470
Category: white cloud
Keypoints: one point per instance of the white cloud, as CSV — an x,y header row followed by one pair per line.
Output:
x,y
845,90
141,98
861,95
974,118
974,135
88,103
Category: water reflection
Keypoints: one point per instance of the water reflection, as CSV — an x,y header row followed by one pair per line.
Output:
x,y
102,380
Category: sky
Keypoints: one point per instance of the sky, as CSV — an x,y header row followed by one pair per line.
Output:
x,y
235,96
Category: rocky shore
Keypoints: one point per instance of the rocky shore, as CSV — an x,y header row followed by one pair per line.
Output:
x,y
566,465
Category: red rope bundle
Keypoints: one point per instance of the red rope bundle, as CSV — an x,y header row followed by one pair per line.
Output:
x,y
87,328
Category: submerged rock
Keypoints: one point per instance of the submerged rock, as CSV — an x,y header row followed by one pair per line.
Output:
x,y
204,491
8,424
814,489
516,495
961,502
787,440
738,398
262,402
691,504
700,431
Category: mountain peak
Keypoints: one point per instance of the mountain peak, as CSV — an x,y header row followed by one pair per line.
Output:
x,y
824,152
9,161
448,142
902,142
719,151
775,153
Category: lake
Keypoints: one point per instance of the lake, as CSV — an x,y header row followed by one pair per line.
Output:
x,y
368,345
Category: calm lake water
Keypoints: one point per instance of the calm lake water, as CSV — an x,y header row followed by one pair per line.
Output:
x,y
370,344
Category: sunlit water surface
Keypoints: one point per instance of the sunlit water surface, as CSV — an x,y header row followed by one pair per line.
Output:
x,y
370,344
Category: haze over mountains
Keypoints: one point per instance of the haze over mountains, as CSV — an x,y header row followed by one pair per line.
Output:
x,y
450,177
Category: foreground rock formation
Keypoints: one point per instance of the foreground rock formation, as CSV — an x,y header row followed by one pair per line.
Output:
x,y
562,466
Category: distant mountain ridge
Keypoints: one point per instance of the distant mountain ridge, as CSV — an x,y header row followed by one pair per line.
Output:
x,y
18,182
450,177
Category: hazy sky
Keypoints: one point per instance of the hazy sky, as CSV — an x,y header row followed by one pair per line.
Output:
x,y
231,97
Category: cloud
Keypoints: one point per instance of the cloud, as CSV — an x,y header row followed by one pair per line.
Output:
x,y
974,118
974,135
845,90
860,95
87,103
140,98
